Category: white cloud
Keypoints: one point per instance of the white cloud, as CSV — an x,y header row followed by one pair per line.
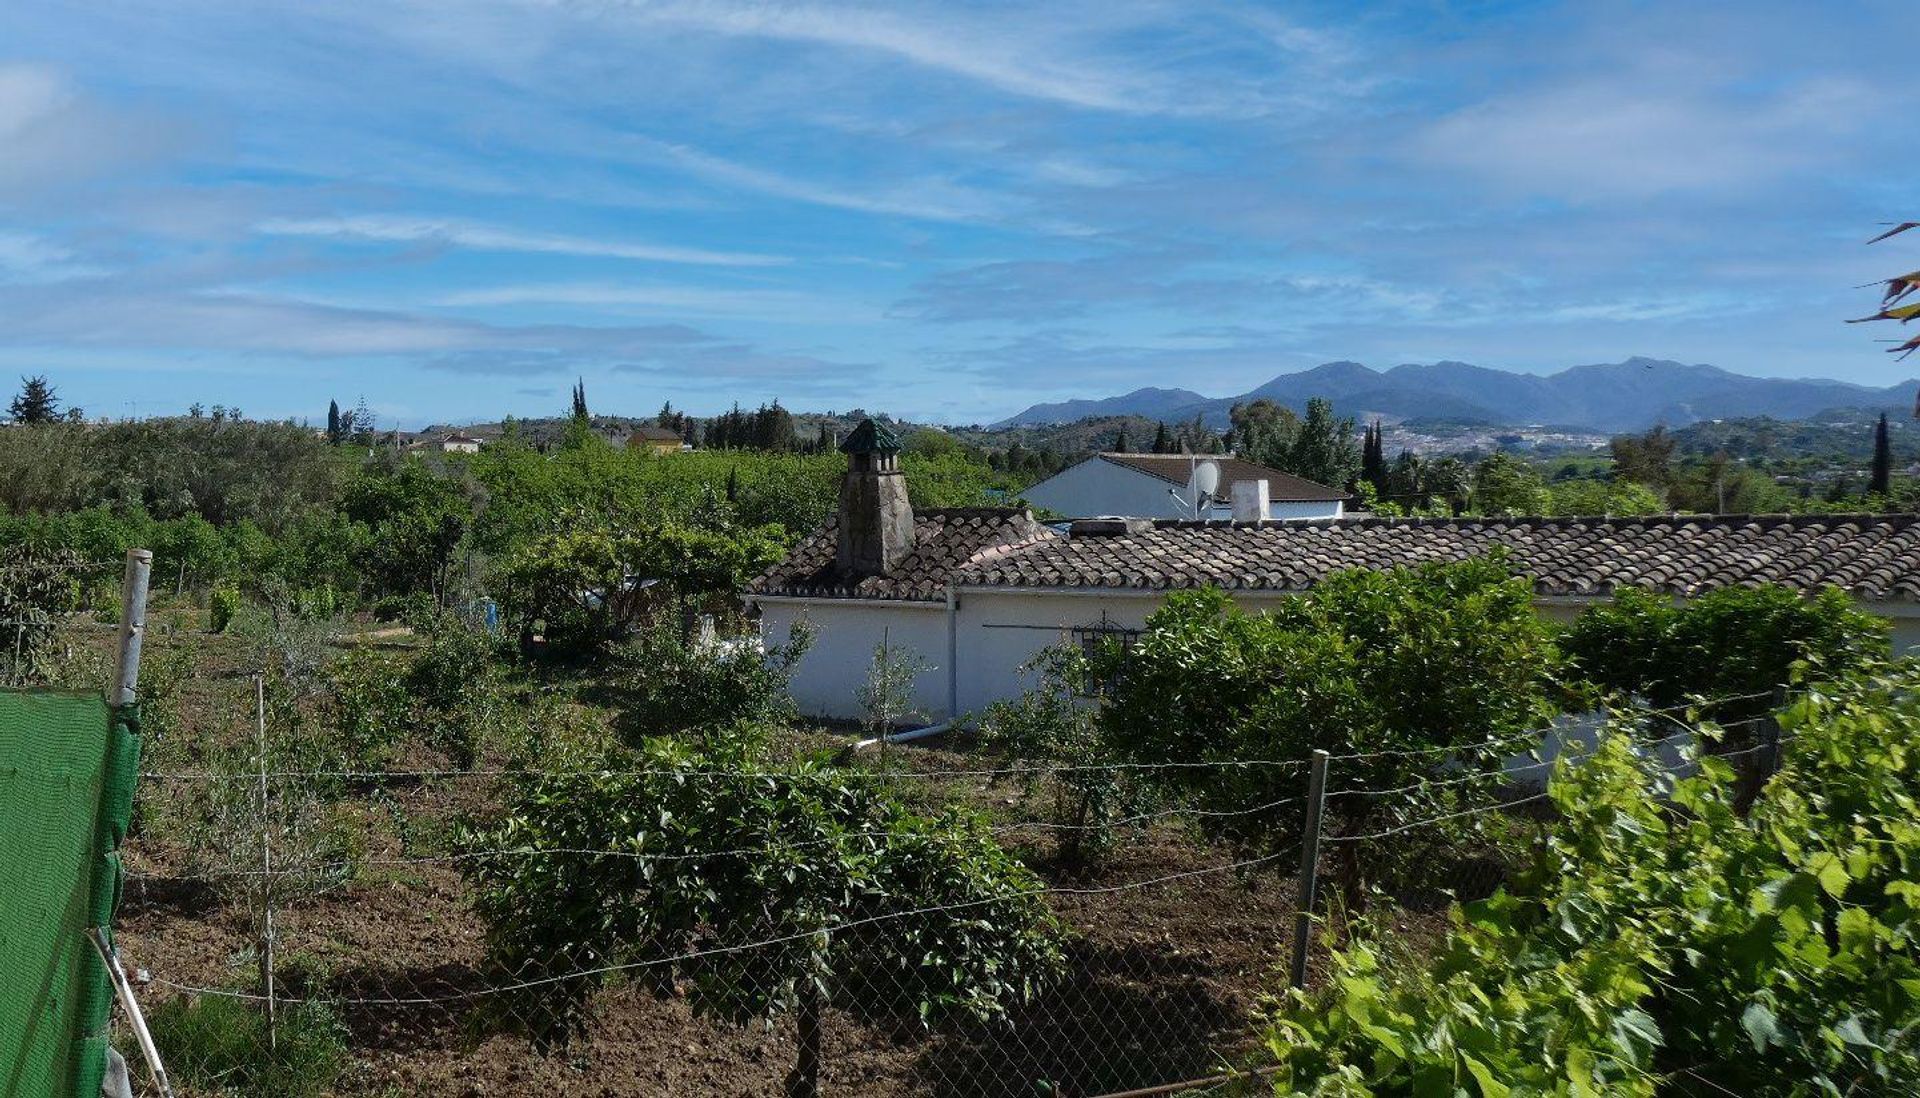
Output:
x,y
51,134
762,304
1641,133
493,238
25,257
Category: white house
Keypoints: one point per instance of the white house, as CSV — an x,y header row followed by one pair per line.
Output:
x,y
977,592
458,443
1161,486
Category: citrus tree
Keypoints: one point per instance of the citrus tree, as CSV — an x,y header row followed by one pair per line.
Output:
x,y
758,888
1398,673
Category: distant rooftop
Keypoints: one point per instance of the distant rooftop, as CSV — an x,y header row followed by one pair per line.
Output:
x,y
1177,469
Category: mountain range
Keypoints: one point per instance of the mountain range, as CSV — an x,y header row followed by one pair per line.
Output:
x,y
1615,396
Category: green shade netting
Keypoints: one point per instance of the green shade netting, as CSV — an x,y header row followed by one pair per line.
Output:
x,y
67,770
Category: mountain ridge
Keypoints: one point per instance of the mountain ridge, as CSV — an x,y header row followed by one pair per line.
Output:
x,y
1612,396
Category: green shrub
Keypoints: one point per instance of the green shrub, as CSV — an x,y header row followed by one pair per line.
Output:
x,y
1408,668
222,604
1661,943
372,707
671,684
1726,643
1055,723
670,855
219,1043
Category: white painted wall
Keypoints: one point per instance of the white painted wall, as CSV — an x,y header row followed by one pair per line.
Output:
x,y
1097,487
827,680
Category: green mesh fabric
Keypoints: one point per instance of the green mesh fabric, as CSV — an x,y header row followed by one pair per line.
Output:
x,y
67,771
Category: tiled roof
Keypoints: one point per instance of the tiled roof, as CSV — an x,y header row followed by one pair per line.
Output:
x,y
944,540
1875,557
871,438
1177,468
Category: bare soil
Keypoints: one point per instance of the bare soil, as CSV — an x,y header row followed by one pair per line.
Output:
x,y
1163,982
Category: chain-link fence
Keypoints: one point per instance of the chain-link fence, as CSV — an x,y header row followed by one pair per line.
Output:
x,y
300,930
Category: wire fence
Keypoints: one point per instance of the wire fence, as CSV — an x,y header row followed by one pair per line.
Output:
x,y
294,924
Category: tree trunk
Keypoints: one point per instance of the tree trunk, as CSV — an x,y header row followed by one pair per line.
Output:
x,y
805,1080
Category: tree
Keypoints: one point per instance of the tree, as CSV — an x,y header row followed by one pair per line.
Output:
x,y
1162,441
364,421
580,400
1323,449
1120,443
1507,485
1393,668
1881,481
887,694
1644,458
334,433
1373,459
37,403
758,888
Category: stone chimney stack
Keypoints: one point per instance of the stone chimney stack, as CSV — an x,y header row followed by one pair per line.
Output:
x,y
876,520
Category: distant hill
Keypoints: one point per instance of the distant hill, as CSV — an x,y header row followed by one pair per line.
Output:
x,y
1616,396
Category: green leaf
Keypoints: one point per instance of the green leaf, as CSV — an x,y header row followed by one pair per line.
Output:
x,y
1763,1029
1490,1087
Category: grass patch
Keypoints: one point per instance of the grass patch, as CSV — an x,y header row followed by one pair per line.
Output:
x,y
219,1044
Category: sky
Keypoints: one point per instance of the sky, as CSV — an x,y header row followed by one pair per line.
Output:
x,y
946,211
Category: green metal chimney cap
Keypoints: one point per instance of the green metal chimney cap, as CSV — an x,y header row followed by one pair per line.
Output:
x,y
870,438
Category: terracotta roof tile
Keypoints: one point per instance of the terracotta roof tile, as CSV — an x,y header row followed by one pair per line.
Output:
x,y
1874,556
944,539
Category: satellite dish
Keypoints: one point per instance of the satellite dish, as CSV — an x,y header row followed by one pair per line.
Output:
x,y
1206,478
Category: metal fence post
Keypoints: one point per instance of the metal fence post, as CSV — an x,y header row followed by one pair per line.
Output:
x,y
133,626
266,863
1309,867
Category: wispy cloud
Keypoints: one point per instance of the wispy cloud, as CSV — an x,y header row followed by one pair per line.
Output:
x,y
764,304
451,233
51,134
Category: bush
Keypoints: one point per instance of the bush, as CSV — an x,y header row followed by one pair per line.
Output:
x,y
1726,643
222,604
1661,940
219,1043
1411,669
675,684
668,859
1055,723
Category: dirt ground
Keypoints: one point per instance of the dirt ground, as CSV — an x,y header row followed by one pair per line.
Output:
x,y
1163,983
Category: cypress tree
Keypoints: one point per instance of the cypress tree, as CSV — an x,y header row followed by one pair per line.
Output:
x,y
580,399
333,421
1162,444
1881,482
1120,441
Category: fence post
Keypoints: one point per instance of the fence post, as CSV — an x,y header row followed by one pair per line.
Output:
x,y
1309,867
266,862
133,626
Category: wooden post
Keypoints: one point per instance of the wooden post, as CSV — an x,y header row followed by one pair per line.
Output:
x,y
133,627
1308,889
266,863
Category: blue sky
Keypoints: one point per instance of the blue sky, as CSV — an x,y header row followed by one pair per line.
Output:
x,y
946,210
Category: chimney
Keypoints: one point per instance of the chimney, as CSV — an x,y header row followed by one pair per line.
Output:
x,y
876,520
1250,501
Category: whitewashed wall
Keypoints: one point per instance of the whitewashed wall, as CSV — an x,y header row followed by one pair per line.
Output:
x,y
827,680
1097,487
997,631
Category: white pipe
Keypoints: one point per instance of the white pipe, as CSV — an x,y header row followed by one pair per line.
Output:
x,y
953,656
904,737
